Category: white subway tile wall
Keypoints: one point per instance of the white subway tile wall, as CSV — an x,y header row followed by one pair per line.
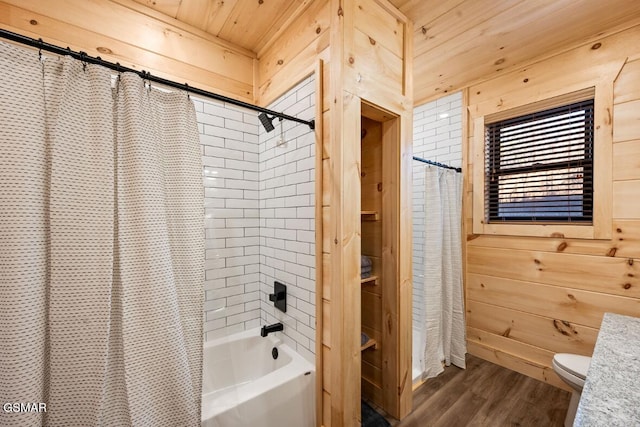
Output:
x,y
437,135
260,217
287,218
229,139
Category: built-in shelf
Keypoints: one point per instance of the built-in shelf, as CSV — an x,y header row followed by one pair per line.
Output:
x,y
369,344
371,280
369,215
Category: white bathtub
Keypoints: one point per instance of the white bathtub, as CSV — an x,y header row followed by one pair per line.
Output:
x,y
242,385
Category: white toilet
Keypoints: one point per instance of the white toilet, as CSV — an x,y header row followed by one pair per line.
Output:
x,y
572,368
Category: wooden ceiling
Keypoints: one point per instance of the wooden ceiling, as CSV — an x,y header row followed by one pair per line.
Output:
x,y
246,23
456,42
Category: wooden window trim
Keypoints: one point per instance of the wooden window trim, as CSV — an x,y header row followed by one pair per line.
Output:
x,y
601,227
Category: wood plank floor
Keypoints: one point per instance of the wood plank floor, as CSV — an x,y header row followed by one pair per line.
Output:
x,y
485,394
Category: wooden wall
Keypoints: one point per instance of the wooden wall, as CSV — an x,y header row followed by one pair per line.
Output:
x,y
349,75
370,64
530,297
372,246
294,53
137,37
458,43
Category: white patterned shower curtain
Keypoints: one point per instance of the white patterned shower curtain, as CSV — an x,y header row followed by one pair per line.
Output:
x,y
443,332
101,247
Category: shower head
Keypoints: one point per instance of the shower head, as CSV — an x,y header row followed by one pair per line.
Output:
x,y
266,121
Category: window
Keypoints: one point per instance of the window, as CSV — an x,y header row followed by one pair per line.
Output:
x,y
541,163
539,166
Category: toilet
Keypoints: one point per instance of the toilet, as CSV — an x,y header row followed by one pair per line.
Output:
x,y
572,369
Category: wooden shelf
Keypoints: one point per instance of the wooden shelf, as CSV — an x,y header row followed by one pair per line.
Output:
x,y
371,280
369,344
369,216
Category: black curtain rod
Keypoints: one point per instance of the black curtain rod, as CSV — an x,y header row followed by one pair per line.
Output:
x,y
82,56
441,165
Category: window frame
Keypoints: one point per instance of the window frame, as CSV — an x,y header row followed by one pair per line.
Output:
x,y
493,145
601,225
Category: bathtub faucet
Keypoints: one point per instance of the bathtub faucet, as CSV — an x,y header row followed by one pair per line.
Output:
x,y
267,329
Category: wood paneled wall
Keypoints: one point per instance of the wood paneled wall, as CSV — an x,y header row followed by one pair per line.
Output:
x,y
370,64
530,297
350,76
372,246
462,42
294,52
137,37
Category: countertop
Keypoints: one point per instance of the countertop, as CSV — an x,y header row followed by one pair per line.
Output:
x,y
611,394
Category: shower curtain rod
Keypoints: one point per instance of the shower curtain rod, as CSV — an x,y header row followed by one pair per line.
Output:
x,y
441,165
146,75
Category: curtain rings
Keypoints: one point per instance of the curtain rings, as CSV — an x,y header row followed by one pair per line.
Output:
x,y
40,45
83,59
145,78
118,79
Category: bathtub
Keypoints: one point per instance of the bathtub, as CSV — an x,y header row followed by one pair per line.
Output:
x,y
243,385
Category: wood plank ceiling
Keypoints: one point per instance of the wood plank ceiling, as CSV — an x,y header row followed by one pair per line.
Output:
x,y
456,42
246,23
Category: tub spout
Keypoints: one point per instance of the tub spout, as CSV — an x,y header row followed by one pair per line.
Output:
x,y
267,329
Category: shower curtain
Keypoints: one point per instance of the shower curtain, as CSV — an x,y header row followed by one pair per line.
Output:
x,y
443,332
101,247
